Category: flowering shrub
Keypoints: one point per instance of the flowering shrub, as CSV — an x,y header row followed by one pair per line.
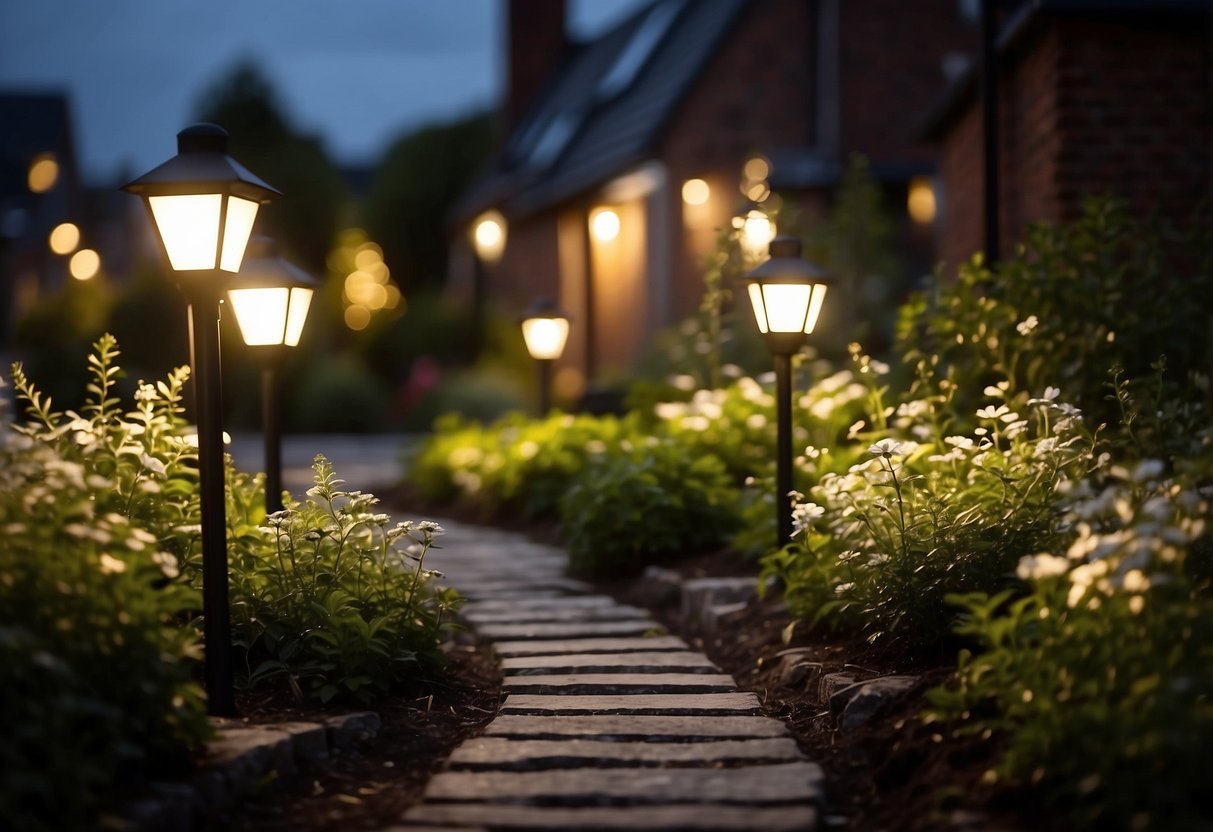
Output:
x,y
651,501
96,654
331,598
1100,678
880,546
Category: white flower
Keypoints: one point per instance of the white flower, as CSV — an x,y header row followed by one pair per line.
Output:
x,y
111,565
528,449
1050,395
151,464
167,563
962,443
1034,567
854,430
993,412
429,527
682,382
803,515
1027,325
887,447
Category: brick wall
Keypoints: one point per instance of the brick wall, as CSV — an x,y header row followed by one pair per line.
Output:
x,y
1085,107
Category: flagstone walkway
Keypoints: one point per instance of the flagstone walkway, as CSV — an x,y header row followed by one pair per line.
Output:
x,y
608,723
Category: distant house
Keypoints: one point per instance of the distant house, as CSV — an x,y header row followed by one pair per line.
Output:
x,y
39,188
687,90
1094,96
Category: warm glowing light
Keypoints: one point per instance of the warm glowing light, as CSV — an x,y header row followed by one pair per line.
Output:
x,y
261,313
545,337
64,238
357,317
368,257
757,231
43,173
920,201
85,264
757,191
695,192
189,226
756,169
301,301
786,307
488,236
605,225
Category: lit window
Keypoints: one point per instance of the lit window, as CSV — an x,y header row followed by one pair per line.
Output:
x,y
920,200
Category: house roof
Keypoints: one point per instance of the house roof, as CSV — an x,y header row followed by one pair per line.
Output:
x,y
605,109
1025,19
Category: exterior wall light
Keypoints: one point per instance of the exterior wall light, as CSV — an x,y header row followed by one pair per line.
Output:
x,y
545,330
271,298
786,292
202,204
488,236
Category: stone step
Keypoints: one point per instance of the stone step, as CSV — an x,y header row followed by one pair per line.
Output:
x,y
666,662
685,818
537,615
798,782
564,630
669,704
618,683
502,754
629,727
576,646
561,602
487,588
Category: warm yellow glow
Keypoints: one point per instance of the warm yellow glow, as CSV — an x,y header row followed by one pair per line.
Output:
x,y
357,317
85,264
757,191
301,301
920,201
261,314
819,296
757,169
757,231
605,225
787,306
488,236
43,173
545,337
695,192
189,226
360,287
394,298
760,313
65,238
368,257
239,225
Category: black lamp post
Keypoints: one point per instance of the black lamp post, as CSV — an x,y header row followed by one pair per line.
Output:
x,y
488,244
271,298
202,204
786,292
545,330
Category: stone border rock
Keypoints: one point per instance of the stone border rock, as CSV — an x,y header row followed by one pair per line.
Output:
x,y
242,755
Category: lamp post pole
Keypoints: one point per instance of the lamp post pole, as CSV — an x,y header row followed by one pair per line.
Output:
x,y
783,446
271,428
208,392
545,385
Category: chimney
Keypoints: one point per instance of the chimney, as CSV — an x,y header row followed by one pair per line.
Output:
x,y
536,44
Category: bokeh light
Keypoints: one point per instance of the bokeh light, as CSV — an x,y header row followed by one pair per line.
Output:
x,y
605,225
695,192
85,264
64,238
43,173
920,200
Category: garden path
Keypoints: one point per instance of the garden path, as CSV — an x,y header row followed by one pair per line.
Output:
x,y
608,723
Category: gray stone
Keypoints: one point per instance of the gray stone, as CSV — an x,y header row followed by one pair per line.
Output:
x,y
555,647
502,754
533,615
672,704
660,586
346,730
309,740
833,685
611,683
684,818
753,785
630,727
701,593
556,602
666,662
712,616
795,669
486,589
871,697
244,754
568,629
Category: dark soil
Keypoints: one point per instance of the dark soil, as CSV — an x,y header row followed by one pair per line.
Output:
x,y
370,786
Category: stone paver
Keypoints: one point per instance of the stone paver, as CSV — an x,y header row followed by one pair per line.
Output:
x,y
655,662
607,722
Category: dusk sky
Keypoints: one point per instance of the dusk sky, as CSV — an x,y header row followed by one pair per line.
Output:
x,y
358,74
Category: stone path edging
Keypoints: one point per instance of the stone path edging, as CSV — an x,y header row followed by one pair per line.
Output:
x,y
608,722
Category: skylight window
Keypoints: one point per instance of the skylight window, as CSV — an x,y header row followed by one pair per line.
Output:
x,y
633,57
554,139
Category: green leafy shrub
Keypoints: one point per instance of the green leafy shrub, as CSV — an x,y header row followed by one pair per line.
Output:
x,y
1100,678
329,597
650,502
96,650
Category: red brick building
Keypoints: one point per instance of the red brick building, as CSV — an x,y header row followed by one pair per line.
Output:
x,y
1093,97
686,91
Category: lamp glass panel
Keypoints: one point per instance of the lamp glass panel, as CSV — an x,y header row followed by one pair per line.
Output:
x,y
189,228
819,295
545,337
240,216
261,314
760,313
301,301
787,305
